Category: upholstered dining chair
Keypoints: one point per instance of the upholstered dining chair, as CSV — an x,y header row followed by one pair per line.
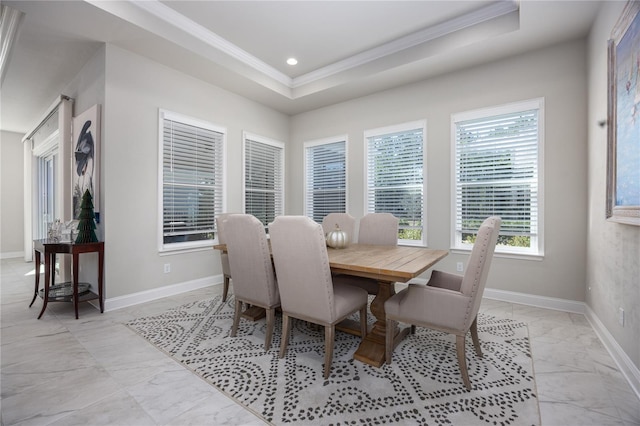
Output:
x,y
254,281
345,221
224,257
448,302
306,288
376,229
379,229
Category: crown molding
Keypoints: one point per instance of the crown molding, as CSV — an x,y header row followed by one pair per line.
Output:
x,y
181,22
425,35
156,11
9,27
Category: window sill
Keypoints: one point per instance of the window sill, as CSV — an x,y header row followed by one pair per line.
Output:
x,y
412,244
184,249
502,254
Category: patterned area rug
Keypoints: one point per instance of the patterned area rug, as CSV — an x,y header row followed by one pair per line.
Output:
x,y
422,386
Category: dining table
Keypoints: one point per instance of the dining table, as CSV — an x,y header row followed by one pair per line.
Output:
x,y
387,265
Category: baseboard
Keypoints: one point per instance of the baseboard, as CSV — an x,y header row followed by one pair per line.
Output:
x,y
11,254
625,365
120,302
537,301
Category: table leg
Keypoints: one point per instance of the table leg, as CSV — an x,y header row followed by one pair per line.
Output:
x,y
35,293
75,281
254,313
372,348
100,275
48,264
52,265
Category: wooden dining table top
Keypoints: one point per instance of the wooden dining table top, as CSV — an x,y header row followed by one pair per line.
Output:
x,y
385,263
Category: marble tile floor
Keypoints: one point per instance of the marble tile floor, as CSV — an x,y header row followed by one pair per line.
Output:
x,y
96,371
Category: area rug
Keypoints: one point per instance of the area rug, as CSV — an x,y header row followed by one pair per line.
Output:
x,y
422,386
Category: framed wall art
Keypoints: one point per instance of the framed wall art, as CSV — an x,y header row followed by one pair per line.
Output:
x,y
623,153
86,158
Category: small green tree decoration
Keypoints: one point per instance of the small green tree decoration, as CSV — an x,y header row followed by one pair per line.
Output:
x,y
86,223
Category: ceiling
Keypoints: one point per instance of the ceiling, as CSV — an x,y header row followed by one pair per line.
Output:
x,y
345,49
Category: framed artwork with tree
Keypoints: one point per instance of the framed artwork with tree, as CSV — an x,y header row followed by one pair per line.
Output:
x,y
86,156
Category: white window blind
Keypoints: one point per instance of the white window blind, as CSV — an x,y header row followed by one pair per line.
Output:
x,y
264,178
325,179
395,177
192,180
496,173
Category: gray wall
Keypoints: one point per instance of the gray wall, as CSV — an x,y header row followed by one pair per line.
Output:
x,y
12,190
613,271
559,75
135,88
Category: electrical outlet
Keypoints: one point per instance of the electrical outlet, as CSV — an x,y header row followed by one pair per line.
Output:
x,y
459,267
167,268
621,316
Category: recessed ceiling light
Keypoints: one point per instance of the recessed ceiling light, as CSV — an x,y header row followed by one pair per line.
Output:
x,y
292,61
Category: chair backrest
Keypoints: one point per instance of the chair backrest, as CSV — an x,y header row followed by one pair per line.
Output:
x,y
302,266
475,278
224,257
379,229
345,221
250,260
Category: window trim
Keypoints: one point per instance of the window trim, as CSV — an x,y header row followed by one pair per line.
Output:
x,y
267,141
326,141
502,251
191,245
394,128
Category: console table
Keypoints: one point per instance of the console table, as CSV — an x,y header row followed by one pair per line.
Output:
x,y
50,248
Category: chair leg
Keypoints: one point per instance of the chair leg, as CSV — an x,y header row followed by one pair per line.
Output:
x,y
462,362
388,339
413,329
474,337
284,340
225,288
329,335
271,319
363,321
236,318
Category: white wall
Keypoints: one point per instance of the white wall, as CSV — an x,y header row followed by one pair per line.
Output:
x,y
135,89
559,75
12,190
613,271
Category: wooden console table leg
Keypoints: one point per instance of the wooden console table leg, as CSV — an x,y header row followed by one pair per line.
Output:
x,y
100,277
75,281
35,293
47,279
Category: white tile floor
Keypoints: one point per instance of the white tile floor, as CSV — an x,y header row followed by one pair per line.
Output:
x,y
95,371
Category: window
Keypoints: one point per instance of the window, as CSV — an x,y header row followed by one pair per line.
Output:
x,y
263,178
496,158
45,143
192,154
46,207
325,177
395,177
